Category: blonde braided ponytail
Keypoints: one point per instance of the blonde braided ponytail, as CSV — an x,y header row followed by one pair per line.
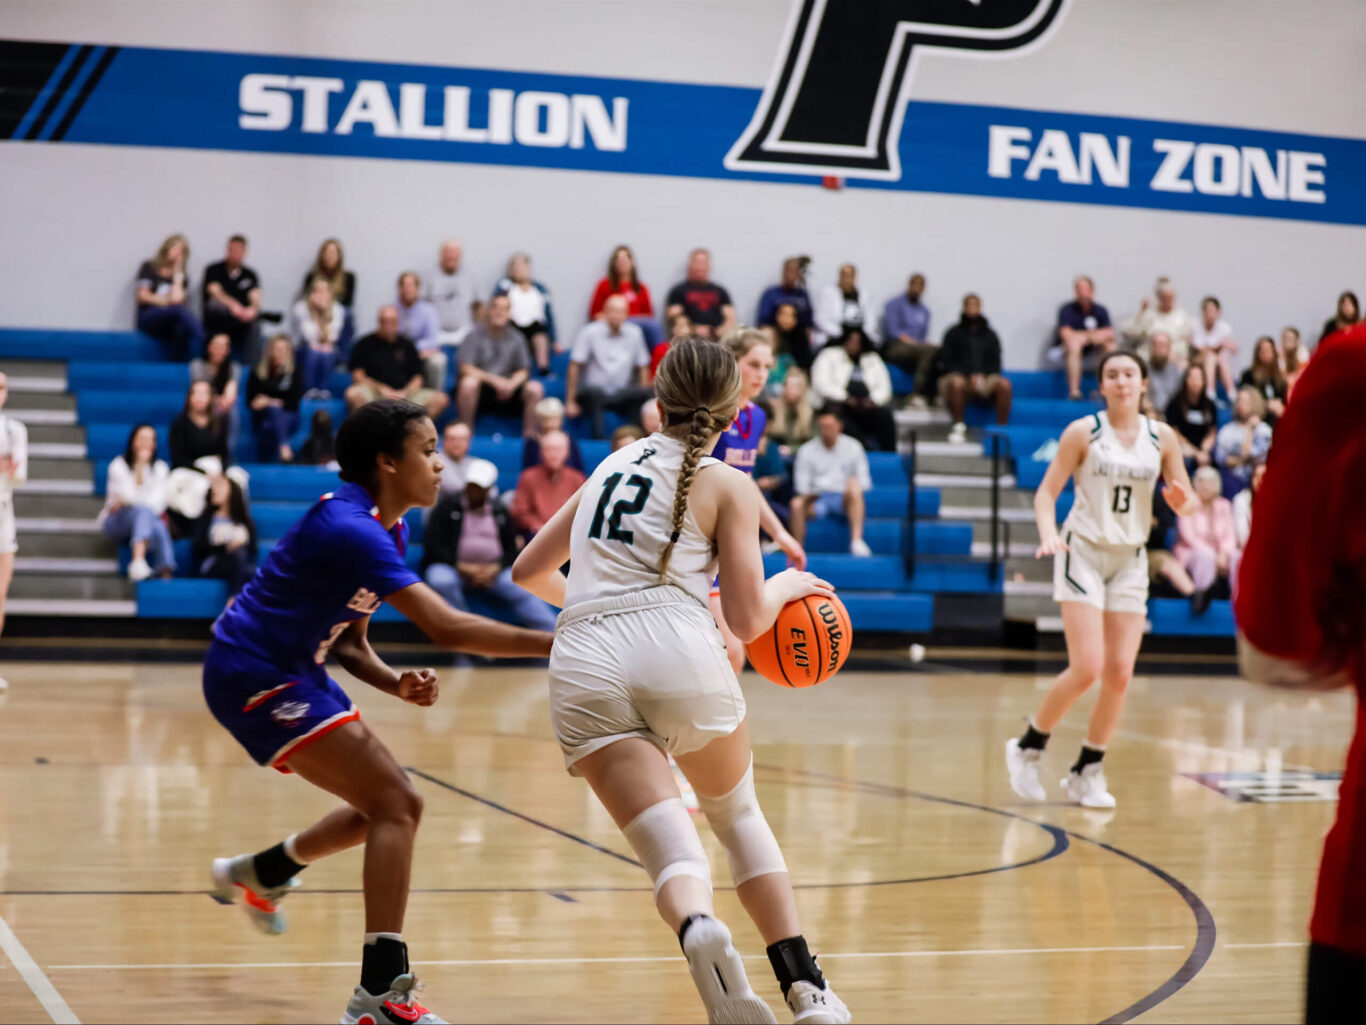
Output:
x,y
698,384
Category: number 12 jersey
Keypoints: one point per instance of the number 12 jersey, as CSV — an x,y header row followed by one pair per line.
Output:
x,y
624,521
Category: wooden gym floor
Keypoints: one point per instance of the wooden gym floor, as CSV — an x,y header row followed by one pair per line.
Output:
x,y
932,893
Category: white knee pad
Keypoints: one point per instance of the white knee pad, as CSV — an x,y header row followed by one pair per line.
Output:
x,y
667,844
739,823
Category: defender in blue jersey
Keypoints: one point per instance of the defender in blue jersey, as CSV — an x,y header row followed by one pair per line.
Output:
x,y
265,681
738,446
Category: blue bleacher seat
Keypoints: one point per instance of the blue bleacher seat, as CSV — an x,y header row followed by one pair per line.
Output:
x,y
889,611
1171,617
45,343
181,599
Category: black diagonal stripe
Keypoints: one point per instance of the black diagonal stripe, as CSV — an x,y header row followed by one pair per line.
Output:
x,y
24,70
85,92
82,55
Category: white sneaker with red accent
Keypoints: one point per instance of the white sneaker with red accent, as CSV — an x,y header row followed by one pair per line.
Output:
x,y
399,1006
235,878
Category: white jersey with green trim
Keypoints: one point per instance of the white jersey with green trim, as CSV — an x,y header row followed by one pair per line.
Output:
x,y
623,523
1114,485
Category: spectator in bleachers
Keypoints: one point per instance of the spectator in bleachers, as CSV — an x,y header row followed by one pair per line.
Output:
x,y
1191,414
316,324
782,361
829,477
1266,377
1206,544
1242,507
549,417
626,434
221,371
1294,356
906,338
543,488
163,289
679,327
789,291
385,365
1165,572
609,368
418,320
1083,330
455,293
970,365
852,377
773,477
650,421
198,431
455,457
495,370
330,265
794,420
531,310
469,546
1164,316
1165,376
232,297
706,303
1348,313
274,389
319,448
135,500
841,306
1213,345
225,536
622,279
1244,441
791,340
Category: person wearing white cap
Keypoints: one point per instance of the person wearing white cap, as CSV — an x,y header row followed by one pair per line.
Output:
x,y
469,546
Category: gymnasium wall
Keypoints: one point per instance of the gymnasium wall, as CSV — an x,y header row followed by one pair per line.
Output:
x,y
1002,171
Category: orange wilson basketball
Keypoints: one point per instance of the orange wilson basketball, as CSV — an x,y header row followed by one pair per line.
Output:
x,y
808,643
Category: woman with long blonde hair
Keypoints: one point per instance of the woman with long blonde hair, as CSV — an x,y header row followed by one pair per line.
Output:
x,y
163,287
330,264
639,670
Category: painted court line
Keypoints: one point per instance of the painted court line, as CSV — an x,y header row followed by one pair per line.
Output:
x,y
1265,946
41,985
526,961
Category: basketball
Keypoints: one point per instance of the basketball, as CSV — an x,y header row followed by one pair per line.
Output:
x,y
806,645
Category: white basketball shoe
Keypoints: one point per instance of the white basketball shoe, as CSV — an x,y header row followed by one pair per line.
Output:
x,y
1022,763
1088,788
812,1006
719,975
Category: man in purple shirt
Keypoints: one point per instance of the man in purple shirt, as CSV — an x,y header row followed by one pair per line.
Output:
x,y
418,320
906,328
1083,330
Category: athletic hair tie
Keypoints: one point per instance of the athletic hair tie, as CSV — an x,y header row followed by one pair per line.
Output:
x,y
673,538
674,419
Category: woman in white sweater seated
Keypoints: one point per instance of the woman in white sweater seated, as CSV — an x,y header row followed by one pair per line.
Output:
x,y
135,498
852,376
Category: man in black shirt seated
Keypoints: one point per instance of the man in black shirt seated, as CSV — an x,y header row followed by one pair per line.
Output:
x,y
385,365
232,299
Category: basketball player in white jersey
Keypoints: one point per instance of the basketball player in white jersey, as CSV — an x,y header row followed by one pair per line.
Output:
x,y
639,669
13,472
1100,568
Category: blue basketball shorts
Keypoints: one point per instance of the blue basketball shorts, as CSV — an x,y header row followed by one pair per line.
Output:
x,y
269,711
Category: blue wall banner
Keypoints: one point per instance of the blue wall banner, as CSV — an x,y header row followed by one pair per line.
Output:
x,y
59,92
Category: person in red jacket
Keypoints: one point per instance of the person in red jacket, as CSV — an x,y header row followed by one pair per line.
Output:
x,y
621,279
1301,611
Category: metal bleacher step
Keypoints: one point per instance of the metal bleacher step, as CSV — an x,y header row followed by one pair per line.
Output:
x,y
45,468
1020,532
1029,608
58,564
34,375
87,608
62,544
31,504
71,435
1025,567
46,400
79,587
1019,551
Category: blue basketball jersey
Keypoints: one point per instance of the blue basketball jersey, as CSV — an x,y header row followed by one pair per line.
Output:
x,y
334,566
738,445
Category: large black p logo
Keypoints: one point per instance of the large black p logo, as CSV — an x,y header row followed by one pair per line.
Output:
x,y
835,100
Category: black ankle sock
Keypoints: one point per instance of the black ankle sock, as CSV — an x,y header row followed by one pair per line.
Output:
x,y
1033,738
687,924
1089,756
275,868
792,962
381,963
